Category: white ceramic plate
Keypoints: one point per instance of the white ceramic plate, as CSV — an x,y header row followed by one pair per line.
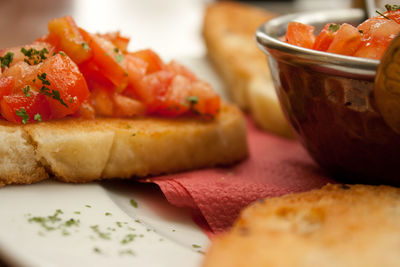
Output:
x,y
96,224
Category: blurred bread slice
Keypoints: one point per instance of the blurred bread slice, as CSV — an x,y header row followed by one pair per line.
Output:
x,y
338,225
228,31
74,150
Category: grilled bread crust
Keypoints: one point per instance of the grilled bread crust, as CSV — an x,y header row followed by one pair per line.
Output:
x,y
228,31
76,150
338,225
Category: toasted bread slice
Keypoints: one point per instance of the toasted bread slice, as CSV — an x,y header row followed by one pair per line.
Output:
x,y
337,225
228,31
75,150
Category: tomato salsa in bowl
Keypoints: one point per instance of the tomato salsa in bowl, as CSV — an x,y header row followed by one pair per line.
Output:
x,y
329,100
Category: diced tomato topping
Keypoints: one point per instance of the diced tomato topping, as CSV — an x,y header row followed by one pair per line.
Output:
x,y
103,103
70,72
208,101
43,51
179,69
152,89
151,58
300,34
18,108
65,35
136,68
346,41
6,86
127,107
86,111
325,38
66,79
121,42
109,59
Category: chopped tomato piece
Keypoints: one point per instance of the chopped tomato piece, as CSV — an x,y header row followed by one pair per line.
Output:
x,y
151,58
208,102
127,107
6,86
376,37
136,68
23,74
109,59
300,34
86,111
394,15
152,89
179,69
175,99
19,108
35,53
121,42
103,103
66,86
346,41
95,78
67,37
325,38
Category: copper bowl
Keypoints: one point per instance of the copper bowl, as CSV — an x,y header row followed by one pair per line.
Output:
x,y
329,102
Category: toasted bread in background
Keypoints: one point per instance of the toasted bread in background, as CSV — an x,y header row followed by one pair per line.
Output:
x,y
228,31
75,150
337,225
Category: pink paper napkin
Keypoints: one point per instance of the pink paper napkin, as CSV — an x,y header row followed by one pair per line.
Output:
x,y
216,196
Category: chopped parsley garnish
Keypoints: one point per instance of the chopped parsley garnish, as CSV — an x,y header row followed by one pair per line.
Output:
x,y
192,99
88,206
361,31
22,113
62,53
383,15
392,7
134,203
196,246
71,100
42,77
7,59
97,250
85,46
54,222
71,222
33,56
116,50
134,134
119,57
108,214
37,117
128,238
99,233
333,27
26,90
127,252
47,92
